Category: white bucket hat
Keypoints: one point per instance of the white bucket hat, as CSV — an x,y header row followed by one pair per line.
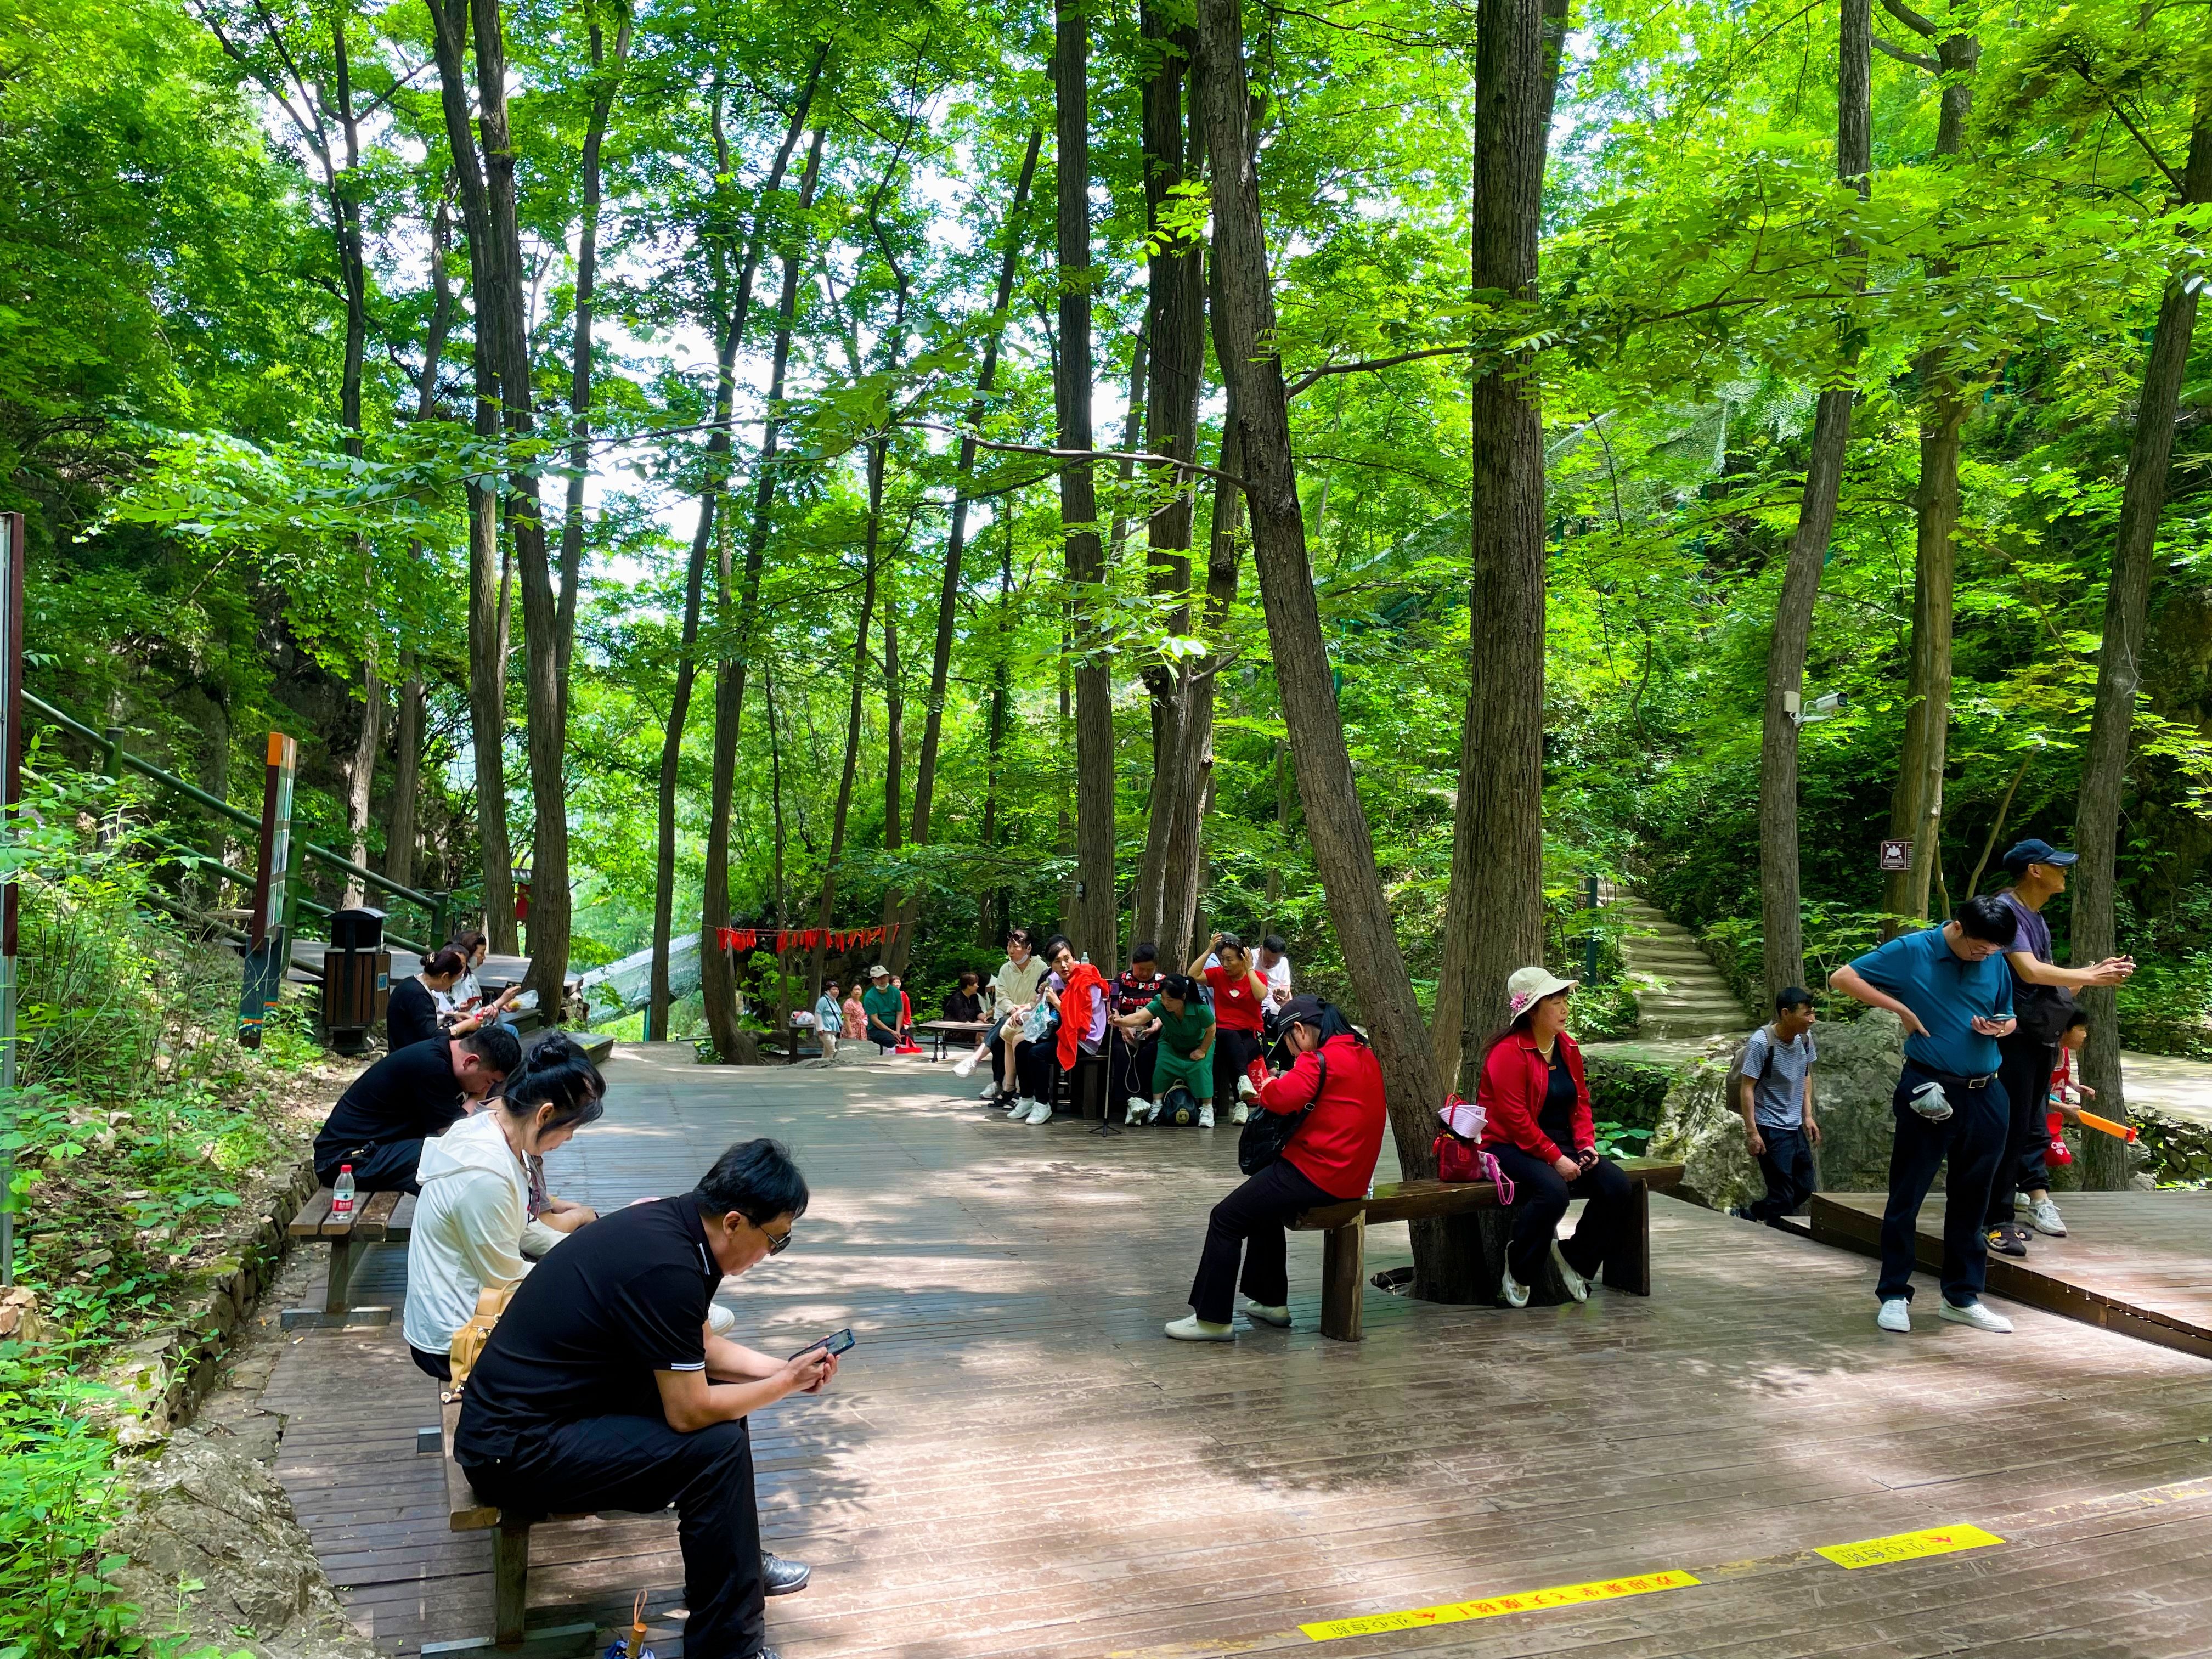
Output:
x,y
1530,985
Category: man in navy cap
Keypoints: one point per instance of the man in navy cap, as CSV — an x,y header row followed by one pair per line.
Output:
x,y
2043,1000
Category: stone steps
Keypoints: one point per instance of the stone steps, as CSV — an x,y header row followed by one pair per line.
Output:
x,y
1690,999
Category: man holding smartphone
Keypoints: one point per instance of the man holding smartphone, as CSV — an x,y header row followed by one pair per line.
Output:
x,y
603,1388
1951,987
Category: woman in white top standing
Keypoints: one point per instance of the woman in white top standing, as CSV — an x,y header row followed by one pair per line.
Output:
x,y
472,1218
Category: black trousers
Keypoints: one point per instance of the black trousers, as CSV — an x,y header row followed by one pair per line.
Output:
x,y
386,1169
1233,1052
2024,1069
1787,1164
640,1463
1130,1072
1037,1067
1972,1141
1250,1222
1539,1199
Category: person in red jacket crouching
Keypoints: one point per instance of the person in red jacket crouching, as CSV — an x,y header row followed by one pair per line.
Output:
x,y
1537,1125
1336,1088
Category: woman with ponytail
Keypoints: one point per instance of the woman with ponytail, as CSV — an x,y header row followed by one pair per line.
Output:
x,y
478,1180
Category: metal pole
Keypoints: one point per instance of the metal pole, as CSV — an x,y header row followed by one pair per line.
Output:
x,y
11,776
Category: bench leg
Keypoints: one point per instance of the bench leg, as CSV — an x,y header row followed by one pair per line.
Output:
x,y
339,1285
1343,1279
510,1583
1629,1266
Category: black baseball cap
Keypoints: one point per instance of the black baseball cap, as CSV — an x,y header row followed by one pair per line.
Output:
x,y
2033,851
1301,1011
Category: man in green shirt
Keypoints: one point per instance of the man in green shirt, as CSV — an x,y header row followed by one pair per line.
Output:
x,y
880,1002
1185,1024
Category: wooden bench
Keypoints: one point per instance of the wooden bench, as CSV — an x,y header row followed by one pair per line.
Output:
x,y
510,1567
378,1218
1344,1228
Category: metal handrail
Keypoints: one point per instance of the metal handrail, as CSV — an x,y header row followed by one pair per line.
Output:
x,y
214,804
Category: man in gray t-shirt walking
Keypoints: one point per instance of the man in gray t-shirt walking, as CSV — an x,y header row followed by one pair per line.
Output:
x,y
1775,1094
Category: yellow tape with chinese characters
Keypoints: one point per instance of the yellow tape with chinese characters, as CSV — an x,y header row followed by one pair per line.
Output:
x,y
1908,1545
1491,1607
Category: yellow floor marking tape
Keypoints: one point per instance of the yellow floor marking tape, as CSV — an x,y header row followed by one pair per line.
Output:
x,y
1908,1545
1490,1606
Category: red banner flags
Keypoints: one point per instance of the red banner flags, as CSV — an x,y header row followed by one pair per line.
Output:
x,y
795,939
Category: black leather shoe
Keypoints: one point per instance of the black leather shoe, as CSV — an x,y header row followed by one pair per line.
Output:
x,y
782,1577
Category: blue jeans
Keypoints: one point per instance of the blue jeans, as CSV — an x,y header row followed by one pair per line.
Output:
x,y
1787,1164
1973,1140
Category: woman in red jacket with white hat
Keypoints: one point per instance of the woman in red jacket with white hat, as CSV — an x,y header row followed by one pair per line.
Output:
x,y
1537,1124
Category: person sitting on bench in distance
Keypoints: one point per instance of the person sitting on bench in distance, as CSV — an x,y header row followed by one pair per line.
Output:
x,y
412,1014
1078,992
1185,1055
1951,989
601,1387
1013,993
1331,1156
384,1115
464,1005
476,1181
883,1005
1134,987
1537,1107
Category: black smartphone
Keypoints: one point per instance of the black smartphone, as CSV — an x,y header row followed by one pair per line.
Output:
x,y
837,1344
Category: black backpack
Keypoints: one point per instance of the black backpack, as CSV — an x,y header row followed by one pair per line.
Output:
x,y
1267,1134
1178,1109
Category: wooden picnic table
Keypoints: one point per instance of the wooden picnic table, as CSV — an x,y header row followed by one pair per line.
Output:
x,y
942,1031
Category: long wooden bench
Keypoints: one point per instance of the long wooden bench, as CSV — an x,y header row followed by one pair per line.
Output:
x,y
1344,1228
378,1218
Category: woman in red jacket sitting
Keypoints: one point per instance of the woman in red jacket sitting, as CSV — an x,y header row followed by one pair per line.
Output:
x,y
1537,1108
1331,1156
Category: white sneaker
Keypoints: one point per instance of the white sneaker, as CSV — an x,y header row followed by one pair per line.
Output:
x,y
965,1066
1279,1317
1577,1286
1018,1108
1246,1088
1205,1115
1511,1292
988,1091
1138,1108
1896,1314
2042,1216
1980,1317
1194,1329
1241,1113
1041,1112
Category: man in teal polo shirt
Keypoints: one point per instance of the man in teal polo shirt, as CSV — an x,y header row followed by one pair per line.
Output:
x,y
1953,990
881,1003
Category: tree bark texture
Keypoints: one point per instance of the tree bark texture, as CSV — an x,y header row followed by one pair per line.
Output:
x,y
1336,824
710,505
361,776
1093,922
487,666
1780,895
845,779
2119,674
399,829
893,775
734,634
955,535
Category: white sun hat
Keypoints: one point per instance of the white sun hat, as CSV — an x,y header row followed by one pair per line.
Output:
x,y
1530,985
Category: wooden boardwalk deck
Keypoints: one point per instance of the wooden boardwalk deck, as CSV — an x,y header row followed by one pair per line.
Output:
x,y
1014,1462
2139,1263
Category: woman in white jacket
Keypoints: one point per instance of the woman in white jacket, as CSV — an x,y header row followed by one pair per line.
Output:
x,y
473,1217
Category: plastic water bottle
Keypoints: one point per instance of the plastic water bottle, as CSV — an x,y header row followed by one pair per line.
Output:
x,y
342,1193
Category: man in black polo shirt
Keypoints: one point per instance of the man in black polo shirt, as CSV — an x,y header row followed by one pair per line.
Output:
x,y
410,1096
602,1386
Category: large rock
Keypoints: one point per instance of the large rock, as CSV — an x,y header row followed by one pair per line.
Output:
x,y
205,1511
1852,1089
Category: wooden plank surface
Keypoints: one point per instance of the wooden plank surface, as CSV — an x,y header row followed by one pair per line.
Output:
x,y
2140,1263
376,1215
1012,1462
309,1224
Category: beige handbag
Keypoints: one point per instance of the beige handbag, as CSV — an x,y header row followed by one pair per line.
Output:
x,y
468,1342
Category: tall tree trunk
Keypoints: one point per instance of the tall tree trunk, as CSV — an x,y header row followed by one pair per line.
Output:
x,y
506,312
894,774
2095,934
361,774
956,538
1780,904
776,807
1494,918
486,668
659,996
1174,329
1344,850
717,977
406,781
994,902
1092,918
579,373
1916,807
831,870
